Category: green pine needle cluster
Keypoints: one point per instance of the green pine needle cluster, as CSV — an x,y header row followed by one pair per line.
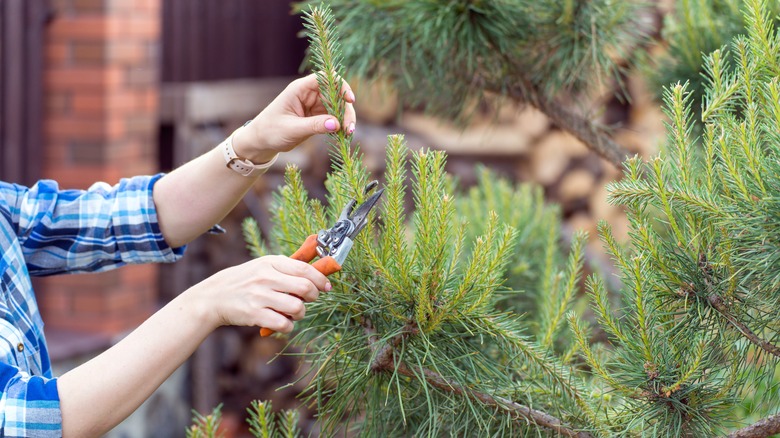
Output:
x,y
444,55
698,324
263,422
697,27
205,426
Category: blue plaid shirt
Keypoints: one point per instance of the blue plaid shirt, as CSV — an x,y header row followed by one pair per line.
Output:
x,y
45,231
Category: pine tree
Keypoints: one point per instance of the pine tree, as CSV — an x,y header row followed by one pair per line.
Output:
x,y
422,334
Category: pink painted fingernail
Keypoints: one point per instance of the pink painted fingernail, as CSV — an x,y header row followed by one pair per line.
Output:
x,y
351,128
351,96
328,287
330,125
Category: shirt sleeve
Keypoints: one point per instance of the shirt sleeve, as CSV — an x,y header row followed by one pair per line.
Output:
x,y
29,405
89,230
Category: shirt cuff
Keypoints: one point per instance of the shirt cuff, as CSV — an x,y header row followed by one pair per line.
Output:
x,y
152,248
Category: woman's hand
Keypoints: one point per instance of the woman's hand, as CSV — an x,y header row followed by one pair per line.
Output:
x,y
266,292
295,115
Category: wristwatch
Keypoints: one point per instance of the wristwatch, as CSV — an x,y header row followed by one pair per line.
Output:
x,y
242,166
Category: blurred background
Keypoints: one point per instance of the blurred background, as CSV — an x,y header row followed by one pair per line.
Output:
x,y
97,90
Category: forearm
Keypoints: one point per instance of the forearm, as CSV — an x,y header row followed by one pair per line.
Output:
x,y
199,194
99,394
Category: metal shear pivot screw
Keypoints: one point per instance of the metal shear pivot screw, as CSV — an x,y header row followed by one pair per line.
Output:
x,y
351,221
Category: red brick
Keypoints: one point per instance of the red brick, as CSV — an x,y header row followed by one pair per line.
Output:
x,y
56,153
92,281
89,102
128,151
89,6
131,300
88,303
52,300
57,53
83,27
86,153
81,177
131,320
67,127
141,77
152,6
81,78
61,7
118,101
139,7
98,324
137,168
150,100
141,123
88,53
115,128
134,275
66,321
132,101
58,103
128,52
133,26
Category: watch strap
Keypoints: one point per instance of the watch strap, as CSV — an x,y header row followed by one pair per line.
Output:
x,y
240,165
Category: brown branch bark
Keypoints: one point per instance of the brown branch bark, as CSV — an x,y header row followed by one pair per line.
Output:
x,y
592,135
763,428
523,90
384,361
717,303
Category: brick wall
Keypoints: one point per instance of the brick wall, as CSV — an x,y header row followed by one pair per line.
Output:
x,y
102,91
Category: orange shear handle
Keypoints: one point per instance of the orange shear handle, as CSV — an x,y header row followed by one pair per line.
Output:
x,y
326,265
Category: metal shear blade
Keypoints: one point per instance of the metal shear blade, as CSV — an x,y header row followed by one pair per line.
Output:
x,y
360,215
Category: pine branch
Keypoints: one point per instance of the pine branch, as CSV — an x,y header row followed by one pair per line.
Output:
x,y
595,137
763,428
385,361
592,135
717,303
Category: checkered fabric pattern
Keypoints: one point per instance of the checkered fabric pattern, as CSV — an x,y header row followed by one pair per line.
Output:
x,y
46,231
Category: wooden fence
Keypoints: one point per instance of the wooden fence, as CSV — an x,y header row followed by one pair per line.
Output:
x,y
207,40
22,24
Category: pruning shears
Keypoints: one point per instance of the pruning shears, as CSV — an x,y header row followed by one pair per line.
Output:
x,y
333,244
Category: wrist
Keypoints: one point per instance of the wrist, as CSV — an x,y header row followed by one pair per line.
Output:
x,y
245,145
194,304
